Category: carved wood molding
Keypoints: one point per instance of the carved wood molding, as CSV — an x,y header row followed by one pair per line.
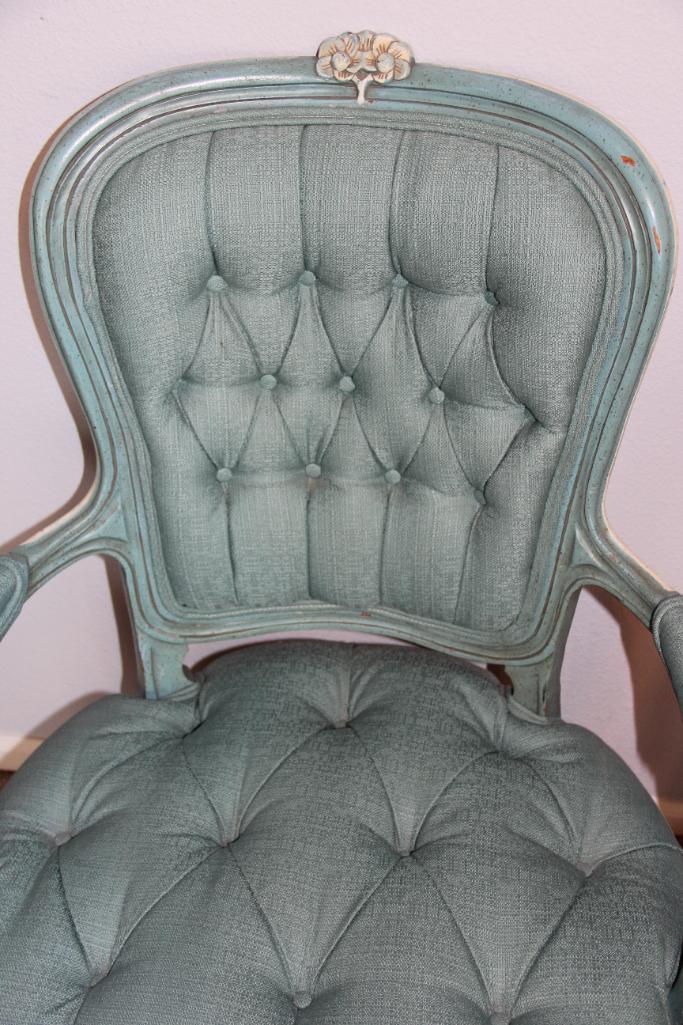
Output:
x,y
364,57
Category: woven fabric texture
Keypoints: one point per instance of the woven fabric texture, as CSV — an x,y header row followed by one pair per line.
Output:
x,y
354,354
333,834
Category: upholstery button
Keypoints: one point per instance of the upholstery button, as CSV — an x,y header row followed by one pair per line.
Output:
x,y
399,282
436,396
479,496
346,384
302,998
62,838
392,476
216,283
224,474
313,470
307,278
268,382
491,298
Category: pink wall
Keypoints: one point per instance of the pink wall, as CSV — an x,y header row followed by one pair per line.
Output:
x,y
619,55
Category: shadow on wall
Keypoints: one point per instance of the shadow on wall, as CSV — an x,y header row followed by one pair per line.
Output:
x,y
53,357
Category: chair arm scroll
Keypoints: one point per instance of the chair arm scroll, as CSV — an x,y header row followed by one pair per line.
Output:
x,y
667,630
14,571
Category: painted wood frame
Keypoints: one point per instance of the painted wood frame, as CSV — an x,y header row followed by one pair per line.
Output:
x,y
115,518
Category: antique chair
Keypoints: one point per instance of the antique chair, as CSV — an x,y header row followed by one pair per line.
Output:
x,y
356,346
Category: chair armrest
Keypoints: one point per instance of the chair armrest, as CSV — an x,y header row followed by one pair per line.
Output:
x,y
94,527
667,630
602,560
14,571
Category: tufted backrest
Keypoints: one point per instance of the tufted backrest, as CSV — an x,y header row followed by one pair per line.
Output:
x,y
355,353
357,366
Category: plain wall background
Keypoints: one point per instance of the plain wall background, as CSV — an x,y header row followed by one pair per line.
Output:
x,y
622,56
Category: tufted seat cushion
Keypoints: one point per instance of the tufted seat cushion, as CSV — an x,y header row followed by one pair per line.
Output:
x,y
335,835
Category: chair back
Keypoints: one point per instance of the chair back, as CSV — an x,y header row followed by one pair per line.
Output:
x,y
350,364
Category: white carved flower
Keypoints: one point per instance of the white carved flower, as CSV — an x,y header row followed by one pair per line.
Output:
x,y
387,58
339,56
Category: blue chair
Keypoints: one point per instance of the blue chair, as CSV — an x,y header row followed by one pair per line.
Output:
x,y
356,343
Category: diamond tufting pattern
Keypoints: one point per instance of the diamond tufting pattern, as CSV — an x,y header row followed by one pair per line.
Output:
x,y
354,354
333,834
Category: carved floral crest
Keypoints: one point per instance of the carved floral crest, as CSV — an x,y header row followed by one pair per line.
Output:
x,y
363,57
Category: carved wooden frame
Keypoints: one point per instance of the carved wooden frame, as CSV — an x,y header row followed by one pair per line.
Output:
x,y
114,517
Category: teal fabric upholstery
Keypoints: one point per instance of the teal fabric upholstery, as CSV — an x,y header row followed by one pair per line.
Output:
x,y
354,354
333,834
667,628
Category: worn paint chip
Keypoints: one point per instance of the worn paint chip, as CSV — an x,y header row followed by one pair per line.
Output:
x,y
658,241
628,160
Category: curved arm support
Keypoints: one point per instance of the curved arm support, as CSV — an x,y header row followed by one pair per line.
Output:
x,y
14,575
600,559
95,527
667,629
605,562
